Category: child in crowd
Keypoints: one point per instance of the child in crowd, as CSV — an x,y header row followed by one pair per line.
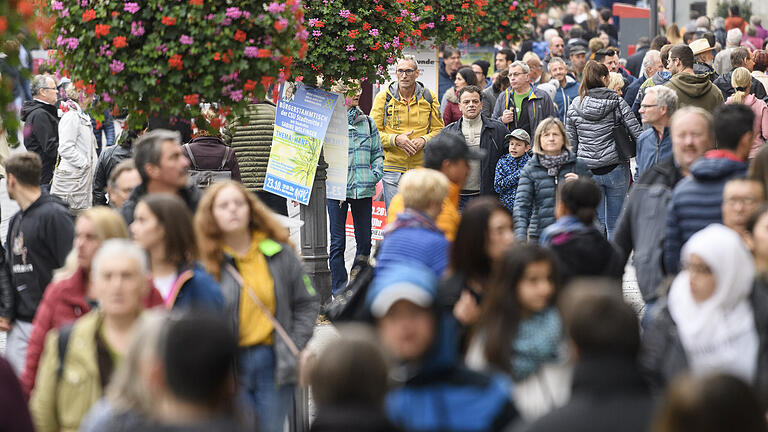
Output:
x,y
510,165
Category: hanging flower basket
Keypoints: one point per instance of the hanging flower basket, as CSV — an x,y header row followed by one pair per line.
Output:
x,y
448,22
506,19
165,57
354,39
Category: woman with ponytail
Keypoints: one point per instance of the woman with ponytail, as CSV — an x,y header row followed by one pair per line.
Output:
x,y
741,80
580,249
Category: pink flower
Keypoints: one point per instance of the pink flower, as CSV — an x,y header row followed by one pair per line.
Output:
x,y
373,32
116,66
64,13
403,13
317,33
350,47
344,13
137,29
275,7
57,5
233,13
186,40
251,51
106,98
236,95
131,8
312,22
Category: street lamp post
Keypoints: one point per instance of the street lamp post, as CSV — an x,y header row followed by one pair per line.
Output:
x,y
314,235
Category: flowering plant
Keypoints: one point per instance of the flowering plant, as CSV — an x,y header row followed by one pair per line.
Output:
x,y
506,19
167,56
355,40
449,21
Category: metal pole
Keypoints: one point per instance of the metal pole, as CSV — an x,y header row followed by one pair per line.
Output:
x,y
654,18
314,235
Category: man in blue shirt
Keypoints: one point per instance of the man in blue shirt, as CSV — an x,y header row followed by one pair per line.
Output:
x,y
655,145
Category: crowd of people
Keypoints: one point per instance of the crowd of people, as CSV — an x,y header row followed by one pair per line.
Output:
x,y
150,284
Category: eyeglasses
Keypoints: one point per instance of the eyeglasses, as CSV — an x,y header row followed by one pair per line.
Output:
x,y
405,71
740,200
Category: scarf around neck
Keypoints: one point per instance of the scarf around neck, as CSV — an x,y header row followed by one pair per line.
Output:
x,y
410,218
537,343
553,163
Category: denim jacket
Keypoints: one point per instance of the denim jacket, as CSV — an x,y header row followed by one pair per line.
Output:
x,y
366,157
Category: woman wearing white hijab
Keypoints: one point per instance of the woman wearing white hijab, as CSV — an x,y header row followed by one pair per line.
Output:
x,y
711,322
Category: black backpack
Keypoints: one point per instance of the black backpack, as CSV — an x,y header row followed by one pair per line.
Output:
x,y
203,178
349,304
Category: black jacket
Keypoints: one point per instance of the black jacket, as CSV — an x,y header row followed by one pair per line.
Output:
x,y
41,134
492,141
635,61
586,253
723,82
190,195
38,241
608,395
351,418
108,160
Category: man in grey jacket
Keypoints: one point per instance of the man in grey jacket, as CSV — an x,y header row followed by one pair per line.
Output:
x,y
642,225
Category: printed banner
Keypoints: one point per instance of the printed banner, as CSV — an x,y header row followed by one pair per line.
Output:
x,y
336,153
301,124
378,217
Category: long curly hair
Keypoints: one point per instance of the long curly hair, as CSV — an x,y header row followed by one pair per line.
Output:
x,y
210,238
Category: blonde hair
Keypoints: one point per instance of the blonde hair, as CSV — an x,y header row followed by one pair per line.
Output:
x,y
741,78
543,126
422,188
210,238
615,81
107,223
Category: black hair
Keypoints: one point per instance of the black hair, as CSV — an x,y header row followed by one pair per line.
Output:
x,y
734,9
605,14
438,149
468,74
710,37
199,355
600,55
599,321
581,198
509,55
468,252
470,89
731,123
502,311
684,53
484,65
658,42
689,36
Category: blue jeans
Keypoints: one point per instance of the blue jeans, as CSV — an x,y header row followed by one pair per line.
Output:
x,y
465,199
259,389
337,217
390,182
614,187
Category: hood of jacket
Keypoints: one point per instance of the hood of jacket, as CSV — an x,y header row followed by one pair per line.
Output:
x,y
33,105
451,95
395,93
695,86
709,168
598,103
661,77
355,115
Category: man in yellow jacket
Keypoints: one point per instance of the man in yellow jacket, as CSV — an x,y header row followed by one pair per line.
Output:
x,y
407,115
450,155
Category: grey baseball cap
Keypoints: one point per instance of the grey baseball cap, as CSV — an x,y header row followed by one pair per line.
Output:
x,y
577,49
519,134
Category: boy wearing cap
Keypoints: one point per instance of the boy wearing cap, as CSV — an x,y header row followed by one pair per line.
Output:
x,y
510,165
436,390
448,153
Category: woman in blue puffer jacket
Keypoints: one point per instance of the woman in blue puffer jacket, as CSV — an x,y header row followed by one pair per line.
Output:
x,y
552,163
590,123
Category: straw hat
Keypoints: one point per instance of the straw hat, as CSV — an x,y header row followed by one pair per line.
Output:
x,y
699,46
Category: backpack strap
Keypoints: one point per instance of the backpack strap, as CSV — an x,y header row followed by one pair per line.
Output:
x,y
188,150
227,151
65,332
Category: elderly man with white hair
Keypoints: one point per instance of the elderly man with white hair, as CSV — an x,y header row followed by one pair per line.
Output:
x,y
655,145
651,64
723,58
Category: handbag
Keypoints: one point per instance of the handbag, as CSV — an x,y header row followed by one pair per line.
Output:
x,y
626,145
349,304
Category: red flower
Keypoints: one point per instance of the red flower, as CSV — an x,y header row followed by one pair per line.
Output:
x,y
279,25
3,25
119,42
264,53
286,61
366,26
191,99
427,8
196,2
376,47
449,17
89,15
175,62
398,20
505,23
319,24
353,33
465,5
267,81
169,21
25,8
216,123
352,18
115,13
101,30
458,29
90,88
239,36
217,56
380,8
249,85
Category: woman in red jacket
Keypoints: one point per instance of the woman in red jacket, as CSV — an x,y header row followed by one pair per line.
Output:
x,y
68,297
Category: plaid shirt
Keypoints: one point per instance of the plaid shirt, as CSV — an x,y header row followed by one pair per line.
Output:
x,y
366,157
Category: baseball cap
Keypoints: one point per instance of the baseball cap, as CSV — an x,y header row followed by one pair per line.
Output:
x,y
413,282
519,134
577,49
448,145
